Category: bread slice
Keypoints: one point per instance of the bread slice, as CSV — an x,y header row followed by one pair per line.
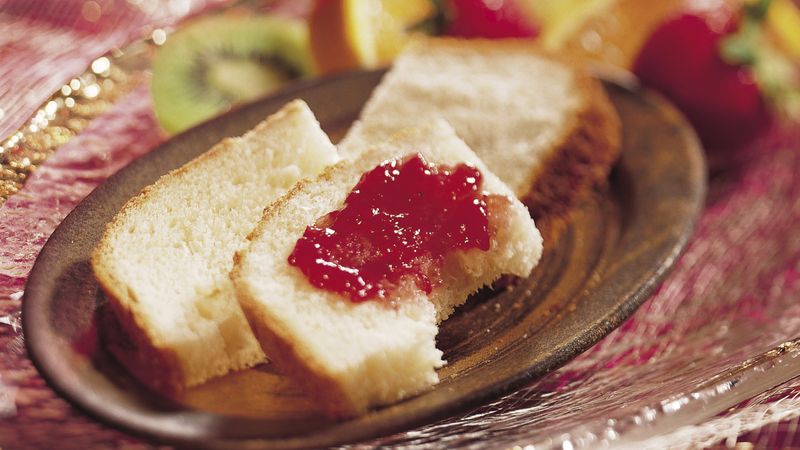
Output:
x,y
542,125
353,356
163,261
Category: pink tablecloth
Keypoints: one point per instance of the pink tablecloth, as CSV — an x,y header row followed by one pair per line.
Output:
x,y
730,299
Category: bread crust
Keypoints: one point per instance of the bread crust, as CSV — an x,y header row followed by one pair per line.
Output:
x,y
157,367
286,354
582,161
126,335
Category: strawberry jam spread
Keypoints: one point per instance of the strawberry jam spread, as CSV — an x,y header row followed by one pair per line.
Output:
x,y
398,223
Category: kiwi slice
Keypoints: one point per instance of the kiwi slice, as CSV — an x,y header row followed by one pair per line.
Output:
x,y
215,62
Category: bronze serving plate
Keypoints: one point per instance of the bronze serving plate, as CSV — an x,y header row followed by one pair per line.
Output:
x,y
619,246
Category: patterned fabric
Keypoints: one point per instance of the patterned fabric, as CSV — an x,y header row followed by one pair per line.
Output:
x,y
709,360
43,44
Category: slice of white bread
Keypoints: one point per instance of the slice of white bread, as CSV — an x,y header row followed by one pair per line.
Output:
x,y
353,356
542,125
164,260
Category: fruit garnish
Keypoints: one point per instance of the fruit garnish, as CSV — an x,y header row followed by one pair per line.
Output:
x,y
347,34
683,59
561,19
778,69
213,63
764,44
488,19
783,21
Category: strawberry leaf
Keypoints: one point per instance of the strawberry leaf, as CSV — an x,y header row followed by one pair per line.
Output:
x,y
757,10
741,48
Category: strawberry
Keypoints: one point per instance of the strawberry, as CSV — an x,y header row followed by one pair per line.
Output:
x,y
683,60
487,19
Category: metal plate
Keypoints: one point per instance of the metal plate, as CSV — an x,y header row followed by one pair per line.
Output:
x,y
620,244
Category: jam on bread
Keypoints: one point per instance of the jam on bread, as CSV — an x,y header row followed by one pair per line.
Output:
x,y
397,225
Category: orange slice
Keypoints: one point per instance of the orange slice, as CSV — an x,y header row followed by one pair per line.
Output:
x,y
561,19
347,34
610,31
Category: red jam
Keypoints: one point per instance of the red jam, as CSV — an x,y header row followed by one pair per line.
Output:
x,y
398,223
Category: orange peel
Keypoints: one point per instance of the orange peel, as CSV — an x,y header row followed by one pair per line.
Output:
x,y
348,34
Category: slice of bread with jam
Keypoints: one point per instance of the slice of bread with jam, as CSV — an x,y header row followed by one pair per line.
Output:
x,y
354,320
